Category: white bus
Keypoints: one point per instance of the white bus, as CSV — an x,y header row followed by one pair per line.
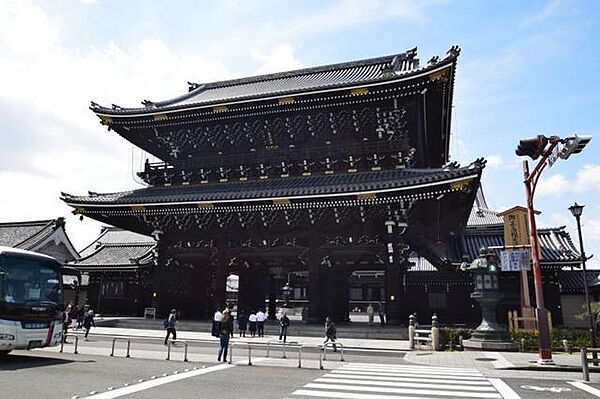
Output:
x,y
31,300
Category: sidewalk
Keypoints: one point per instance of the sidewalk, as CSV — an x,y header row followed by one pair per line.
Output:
x,y
462,359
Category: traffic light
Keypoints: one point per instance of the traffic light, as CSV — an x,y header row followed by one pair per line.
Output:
x,y
533,147
573,145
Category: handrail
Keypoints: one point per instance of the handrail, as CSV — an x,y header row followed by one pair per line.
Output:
x,y
248,344
185,358
62,342
283,344
333,344
112,350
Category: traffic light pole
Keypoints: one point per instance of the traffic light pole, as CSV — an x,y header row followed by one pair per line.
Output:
x,y
530,180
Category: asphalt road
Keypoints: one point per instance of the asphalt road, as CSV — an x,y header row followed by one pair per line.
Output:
x,y
93,374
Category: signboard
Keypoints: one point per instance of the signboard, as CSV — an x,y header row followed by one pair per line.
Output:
x,y
516,227
515,260
553,157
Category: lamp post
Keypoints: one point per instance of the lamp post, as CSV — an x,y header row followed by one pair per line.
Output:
x,y
576,211
287,292
536,147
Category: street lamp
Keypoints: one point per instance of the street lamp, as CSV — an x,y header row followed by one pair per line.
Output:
x,y
287,293
576,211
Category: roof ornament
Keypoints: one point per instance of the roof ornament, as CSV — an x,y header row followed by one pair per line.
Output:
x,y
454,51
148,104
387,70
412,53
434,60
94,105
451,165
193,86
116,107
479,163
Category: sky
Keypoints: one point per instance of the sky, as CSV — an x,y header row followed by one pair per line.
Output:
x,y
526,68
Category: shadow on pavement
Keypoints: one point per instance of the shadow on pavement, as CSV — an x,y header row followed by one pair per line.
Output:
x,y
19,361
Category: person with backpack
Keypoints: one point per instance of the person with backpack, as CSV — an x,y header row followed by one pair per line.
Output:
x,y
169,324
284,323
225,331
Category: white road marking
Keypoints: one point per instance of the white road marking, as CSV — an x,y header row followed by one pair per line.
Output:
x,y
502,387
416,374
374,378
427,385
412,371
351,395
402,367
584,387
500,362
157,382
405,391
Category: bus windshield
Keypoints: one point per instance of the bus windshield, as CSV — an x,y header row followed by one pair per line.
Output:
x,y
26,280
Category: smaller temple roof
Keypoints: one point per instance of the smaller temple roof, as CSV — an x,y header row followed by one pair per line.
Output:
x,y
555,243
301,186
36,236
117,257
114,235
334,76
571,282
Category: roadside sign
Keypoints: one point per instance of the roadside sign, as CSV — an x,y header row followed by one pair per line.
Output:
x,y
516,230
553,157
514,260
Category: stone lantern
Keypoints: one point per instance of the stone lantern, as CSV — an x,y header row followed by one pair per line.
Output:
x,y
489,335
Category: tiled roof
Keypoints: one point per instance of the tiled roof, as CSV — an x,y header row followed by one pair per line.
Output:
x,y
115,235
484,217
25,235
571,282
119,257
333,76
555,243
283,187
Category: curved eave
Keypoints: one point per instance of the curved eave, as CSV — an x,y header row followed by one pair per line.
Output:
x,y
82,206
103,113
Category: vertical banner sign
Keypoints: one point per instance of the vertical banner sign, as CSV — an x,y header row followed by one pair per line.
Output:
x,y
516,231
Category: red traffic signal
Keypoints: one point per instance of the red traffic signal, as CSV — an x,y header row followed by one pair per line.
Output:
x,y
533,147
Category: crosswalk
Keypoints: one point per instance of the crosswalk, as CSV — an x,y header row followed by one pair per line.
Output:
x,y
386,381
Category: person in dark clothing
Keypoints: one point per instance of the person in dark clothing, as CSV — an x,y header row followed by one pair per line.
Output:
x,y
224,336
381,311
80,317
88,322
284,323
170,325
242,320
330,333
230,324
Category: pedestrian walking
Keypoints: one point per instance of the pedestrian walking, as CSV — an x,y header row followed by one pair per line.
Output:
x,y
284,323
80,316
260,323
371,314
242,320
381,311
252,320
230,323
330,333
216,325
224,335
170,322
88,322
66,320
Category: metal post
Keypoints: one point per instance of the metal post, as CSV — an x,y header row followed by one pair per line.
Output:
x,y
284,356
342,353
169,351
321,356
230,352
586,290
268,347
584,364
249,355
544,349
128,347
300,357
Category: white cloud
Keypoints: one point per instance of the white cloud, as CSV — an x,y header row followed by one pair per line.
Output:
x,y
552,9
498,162
280,58
587,180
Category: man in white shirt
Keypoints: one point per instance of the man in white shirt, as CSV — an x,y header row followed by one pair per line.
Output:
x,y
260,323
216,326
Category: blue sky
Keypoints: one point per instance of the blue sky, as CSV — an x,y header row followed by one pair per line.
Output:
x,y
526,68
